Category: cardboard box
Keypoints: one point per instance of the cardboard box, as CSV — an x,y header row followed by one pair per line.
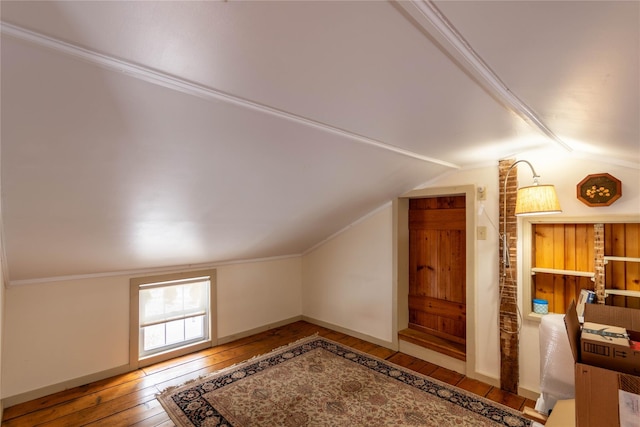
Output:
x,y
598,402
563,414
607,346
602,394
606,352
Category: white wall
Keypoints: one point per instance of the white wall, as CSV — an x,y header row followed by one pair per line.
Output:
x,y
60,331
252,295
347,280
487,264
566,173
57,331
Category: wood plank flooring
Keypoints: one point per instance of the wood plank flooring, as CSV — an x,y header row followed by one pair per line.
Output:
x,y
129,399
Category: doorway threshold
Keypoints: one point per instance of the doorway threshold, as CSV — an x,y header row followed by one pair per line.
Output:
x,y
432,342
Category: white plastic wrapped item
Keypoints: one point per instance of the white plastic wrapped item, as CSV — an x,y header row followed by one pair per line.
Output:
x,y
557,379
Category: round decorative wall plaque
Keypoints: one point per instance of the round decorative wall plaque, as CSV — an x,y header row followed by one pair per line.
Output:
x,y
600,189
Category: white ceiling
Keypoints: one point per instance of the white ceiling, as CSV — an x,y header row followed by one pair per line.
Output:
x,y
138,135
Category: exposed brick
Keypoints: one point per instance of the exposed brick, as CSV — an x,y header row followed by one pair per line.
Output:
x,y
509,360
599,261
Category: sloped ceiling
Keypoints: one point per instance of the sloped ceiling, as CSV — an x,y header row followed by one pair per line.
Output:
x,y
138,135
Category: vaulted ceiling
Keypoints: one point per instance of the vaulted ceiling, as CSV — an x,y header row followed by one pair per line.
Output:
x,y
138,135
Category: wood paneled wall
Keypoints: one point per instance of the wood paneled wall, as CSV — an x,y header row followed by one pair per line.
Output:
x,y
622,240
572,247
562,247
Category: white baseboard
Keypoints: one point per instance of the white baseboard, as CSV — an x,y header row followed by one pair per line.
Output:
x,y
493,381
388,344
228,338
65,385
529,394
368,338
405,347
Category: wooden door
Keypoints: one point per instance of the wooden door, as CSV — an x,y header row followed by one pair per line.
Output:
x,y
437,267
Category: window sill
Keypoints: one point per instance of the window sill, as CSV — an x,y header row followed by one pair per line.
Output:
x,y
535,317
175,352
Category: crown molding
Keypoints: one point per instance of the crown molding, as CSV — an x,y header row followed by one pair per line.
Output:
x,y
433,22
192,88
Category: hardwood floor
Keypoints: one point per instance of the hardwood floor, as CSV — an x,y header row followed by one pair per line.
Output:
x,y
129,399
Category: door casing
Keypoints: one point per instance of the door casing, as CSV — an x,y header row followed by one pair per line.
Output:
x,y
401,271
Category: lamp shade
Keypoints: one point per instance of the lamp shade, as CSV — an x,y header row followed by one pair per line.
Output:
x,y
537,200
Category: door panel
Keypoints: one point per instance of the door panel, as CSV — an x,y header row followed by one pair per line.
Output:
x,y
437,264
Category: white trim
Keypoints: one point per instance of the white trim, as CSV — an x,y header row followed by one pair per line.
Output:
x,y
249,332
149,271
123,369
401,273
64,385
192,88
436,24
3,257
383,343
211,340
173,353
610,218
527,393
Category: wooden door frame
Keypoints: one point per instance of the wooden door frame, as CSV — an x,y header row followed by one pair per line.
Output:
x,y
401,270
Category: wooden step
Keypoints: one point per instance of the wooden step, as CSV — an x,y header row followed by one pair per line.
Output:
x,y
441,345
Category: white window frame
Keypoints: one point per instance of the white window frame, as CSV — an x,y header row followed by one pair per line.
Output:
x,y
135,285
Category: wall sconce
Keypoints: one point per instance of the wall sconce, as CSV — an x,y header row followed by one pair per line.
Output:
x,y
532,200
535,199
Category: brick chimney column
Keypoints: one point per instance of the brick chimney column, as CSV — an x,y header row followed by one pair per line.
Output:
x,y
599,261
509,340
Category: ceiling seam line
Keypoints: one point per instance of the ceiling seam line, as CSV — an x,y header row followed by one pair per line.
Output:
x,y
185,86
478,67
138,272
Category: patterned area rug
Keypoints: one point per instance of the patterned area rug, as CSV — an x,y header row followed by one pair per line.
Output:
x,y
317,382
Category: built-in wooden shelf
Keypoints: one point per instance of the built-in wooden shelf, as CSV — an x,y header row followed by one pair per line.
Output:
x,y
623,292
563,272
621,258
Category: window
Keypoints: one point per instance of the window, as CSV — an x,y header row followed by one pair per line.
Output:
x,y
171,315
